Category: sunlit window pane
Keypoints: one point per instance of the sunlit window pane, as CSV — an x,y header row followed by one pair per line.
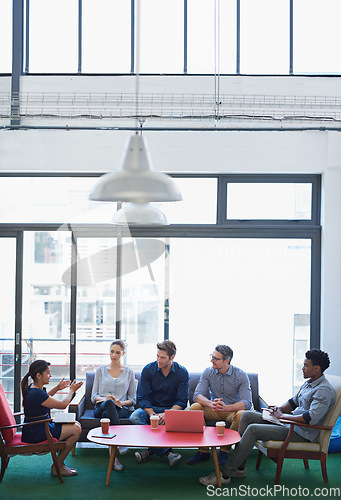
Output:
x,y
161,36
51,199
198,205
66,199
6,36
268,201
46,302
7,328
264,39
106,36
53,36
246,293
203,30
96,302
145,288
317,36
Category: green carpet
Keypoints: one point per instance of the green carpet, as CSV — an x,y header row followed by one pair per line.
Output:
x,y
29,478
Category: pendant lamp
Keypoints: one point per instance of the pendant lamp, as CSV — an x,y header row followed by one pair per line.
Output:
x,y
135,181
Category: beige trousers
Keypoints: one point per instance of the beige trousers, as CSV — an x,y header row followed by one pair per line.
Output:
x,y
232,417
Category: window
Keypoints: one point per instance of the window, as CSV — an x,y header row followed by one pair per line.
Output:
x,y
316,28
243,292
106,36
45,324
161,36
214,37
203,55
264,37
269,201
7,325
53,36
241,268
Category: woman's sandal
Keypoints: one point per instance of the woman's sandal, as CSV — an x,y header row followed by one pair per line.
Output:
x,y
64,471
117,465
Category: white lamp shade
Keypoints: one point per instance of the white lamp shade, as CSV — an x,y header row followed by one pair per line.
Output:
x,y
139,213
135,181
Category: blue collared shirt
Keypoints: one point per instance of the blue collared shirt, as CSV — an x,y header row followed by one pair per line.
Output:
x,y
157,390
313,401
232,387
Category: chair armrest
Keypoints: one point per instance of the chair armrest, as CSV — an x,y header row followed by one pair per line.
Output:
x,y
76,400
24,424
303,424
77,404
262,403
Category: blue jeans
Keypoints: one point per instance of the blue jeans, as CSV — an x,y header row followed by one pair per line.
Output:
x,y
140,417
252,427
108,409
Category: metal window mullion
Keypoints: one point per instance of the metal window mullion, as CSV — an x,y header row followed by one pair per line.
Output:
x,y
238,38
132,36
221,200
291,38
18,319
315,292
185,36
316,201
80,32
73,306
17,58
119,282
167,290
27,37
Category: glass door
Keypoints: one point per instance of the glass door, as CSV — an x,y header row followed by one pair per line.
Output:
x,y
7,318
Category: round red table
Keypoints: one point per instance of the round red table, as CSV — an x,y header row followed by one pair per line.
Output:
x,y
142,436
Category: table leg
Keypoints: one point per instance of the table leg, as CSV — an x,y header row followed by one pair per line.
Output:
x,y
216,464
112,450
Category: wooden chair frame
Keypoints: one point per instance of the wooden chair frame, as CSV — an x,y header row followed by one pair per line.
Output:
x,y
279,454
8,450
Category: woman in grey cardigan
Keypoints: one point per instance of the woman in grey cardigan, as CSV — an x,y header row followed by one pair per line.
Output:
x,y
114,390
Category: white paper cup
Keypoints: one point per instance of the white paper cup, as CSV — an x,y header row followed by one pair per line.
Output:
x,y
154,421
105,422
220,426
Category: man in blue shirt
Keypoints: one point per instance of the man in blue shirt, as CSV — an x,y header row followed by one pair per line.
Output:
x,y
223,393
163,386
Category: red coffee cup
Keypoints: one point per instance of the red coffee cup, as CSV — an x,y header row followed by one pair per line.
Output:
x,y
105,422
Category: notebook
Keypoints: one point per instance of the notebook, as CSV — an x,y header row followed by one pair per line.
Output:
x,y
184,421
64,418
270,418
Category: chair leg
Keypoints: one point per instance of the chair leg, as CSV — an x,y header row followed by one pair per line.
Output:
x,y
306,463
259,459
73,451
56,464
324,467
4,463
279,469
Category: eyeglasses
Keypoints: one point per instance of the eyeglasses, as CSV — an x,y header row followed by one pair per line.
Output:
x,y
216,359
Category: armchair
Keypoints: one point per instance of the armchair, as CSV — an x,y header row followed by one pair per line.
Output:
x,y
10,440
279,450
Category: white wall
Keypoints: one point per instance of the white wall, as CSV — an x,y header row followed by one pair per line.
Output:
x,y
211,151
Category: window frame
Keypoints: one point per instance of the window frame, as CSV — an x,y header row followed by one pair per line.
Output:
x,y
300,229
